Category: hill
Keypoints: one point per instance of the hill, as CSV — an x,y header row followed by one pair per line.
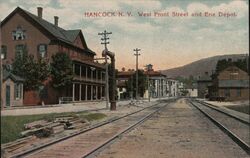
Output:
x,y
199,67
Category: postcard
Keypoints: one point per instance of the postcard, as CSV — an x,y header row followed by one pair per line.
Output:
x,y
125,79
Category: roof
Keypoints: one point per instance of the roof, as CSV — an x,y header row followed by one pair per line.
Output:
x,y
66,36
125,73
233,84
130,73
15,78
154,73
191,86
204,78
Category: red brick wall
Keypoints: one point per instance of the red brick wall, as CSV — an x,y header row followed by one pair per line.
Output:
x,y
33,37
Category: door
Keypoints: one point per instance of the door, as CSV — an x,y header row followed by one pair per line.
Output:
x,y
7,95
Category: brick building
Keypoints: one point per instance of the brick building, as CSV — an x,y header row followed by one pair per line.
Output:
x,y
43,39
231,84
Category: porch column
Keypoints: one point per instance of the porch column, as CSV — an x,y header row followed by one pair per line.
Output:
x,y
91,92
91,74
86,72
80,72
80,92
73,92
96,92
101,92
86,92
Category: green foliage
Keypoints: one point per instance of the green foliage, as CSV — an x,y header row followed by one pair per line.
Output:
x,y
142,84
34,72
223,64
61,71
186,81
12,126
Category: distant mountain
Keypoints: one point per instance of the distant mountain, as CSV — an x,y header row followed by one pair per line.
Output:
x,y
199,67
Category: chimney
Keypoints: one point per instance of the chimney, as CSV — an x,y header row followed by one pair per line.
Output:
x,y
56,20
40,12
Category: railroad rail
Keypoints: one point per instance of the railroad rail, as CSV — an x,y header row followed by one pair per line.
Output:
x,y
236,128
117,125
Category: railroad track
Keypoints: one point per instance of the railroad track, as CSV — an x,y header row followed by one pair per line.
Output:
x,y
236,128
87,142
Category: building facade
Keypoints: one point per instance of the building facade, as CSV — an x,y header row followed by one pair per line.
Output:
x,y
231,84
203,83
172,87
157,84
44,39
12,89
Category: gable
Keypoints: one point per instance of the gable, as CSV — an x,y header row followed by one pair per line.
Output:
x,y
78,42
233,72
52,31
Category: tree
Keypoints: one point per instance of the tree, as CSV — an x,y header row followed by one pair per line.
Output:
x,y
34,72
61,71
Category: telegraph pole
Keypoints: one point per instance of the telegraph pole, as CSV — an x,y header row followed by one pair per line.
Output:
x,y
105,42
247,62
148,67
136,55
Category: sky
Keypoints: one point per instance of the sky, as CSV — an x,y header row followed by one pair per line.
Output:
x,y
165,42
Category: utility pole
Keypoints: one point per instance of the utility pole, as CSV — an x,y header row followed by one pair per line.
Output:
x,y
105,42
247,62
1,73
148,67
136,55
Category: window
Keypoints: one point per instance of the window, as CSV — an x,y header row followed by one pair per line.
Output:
x,y
238,91
94,74
3,52
99,74
18,91
42,50
103,76
89,72
20,50
18,34
77,69
227,93
83,73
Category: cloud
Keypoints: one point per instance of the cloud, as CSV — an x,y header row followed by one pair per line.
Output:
x,y
87,5
239,7
126,24
63,14
143,5
5,8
